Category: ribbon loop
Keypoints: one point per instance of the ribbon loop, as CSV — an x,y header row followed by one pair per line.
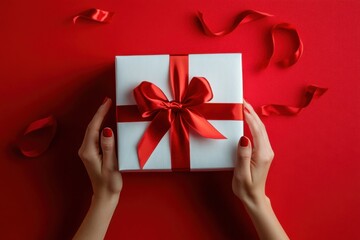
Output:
x,y
149,98
198,92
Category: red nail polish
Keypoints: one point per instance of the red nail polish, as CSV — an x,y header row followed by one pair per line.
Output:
x,y
107,132
105,100
244,142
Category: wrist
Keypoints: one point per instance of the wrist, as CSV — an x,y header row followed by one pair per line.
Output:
x,y
256,202
105,200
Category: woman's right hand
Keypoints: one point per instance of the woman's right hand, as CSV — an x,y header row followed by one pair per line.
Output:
x,y
250,173
253,163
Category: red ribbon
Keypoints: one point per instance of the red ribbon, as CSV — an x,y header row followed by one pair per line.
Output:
x,y
189,109
252,15
37,137
96,15
311,93
295,56
243,17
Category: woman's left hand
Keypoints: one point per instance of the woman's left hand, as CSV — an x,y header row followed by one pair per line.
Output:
x,y
101,166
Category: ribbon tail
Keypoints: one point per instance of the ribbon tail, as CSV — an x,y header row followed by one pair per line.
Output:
x,y
152,136
277,109
243,17
200,125
179,143
311,93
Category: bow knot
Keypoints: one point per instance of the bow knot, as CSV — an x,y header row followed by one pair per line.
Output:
x,y
173,105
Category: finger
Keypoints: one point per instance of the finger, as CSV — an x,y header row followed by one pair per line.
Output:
x,y
242,168
257,128
253,113
257,118
91,139
108,149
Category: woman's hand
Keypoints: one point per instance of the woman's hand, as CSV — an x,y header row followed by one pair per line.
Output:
x,y
250,175
100,162
252,164
101,165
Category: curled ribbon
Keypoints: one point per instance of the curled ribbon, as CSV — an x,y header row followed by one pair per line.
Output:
x,y
189,110
96,15
243,17
295,56
37,137
311,92
252,15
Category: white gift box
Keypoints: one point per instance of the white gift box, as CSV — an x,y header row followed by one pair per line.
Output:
x,y
223,72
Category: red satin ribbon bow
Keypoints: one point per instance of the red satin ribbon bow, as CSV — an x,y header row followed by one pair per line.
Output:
x,y
189,109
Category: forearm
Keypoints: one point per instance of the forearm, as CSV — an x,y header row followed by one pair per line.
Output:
x,y
264,219
97,219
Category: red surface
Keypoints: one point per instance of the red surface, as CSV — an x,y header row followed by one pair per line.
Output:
x,y
50,66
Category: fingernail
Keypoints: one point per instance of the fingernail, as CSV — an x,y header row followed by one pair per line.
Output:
x,y
244,142
105,100
107,132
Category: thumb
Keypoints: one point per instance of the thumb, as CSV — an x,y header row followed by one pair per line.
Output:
x,y
108,149
243,161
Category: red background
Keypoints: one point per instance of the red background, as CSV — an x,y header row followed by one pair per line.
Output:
x,y
51,66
